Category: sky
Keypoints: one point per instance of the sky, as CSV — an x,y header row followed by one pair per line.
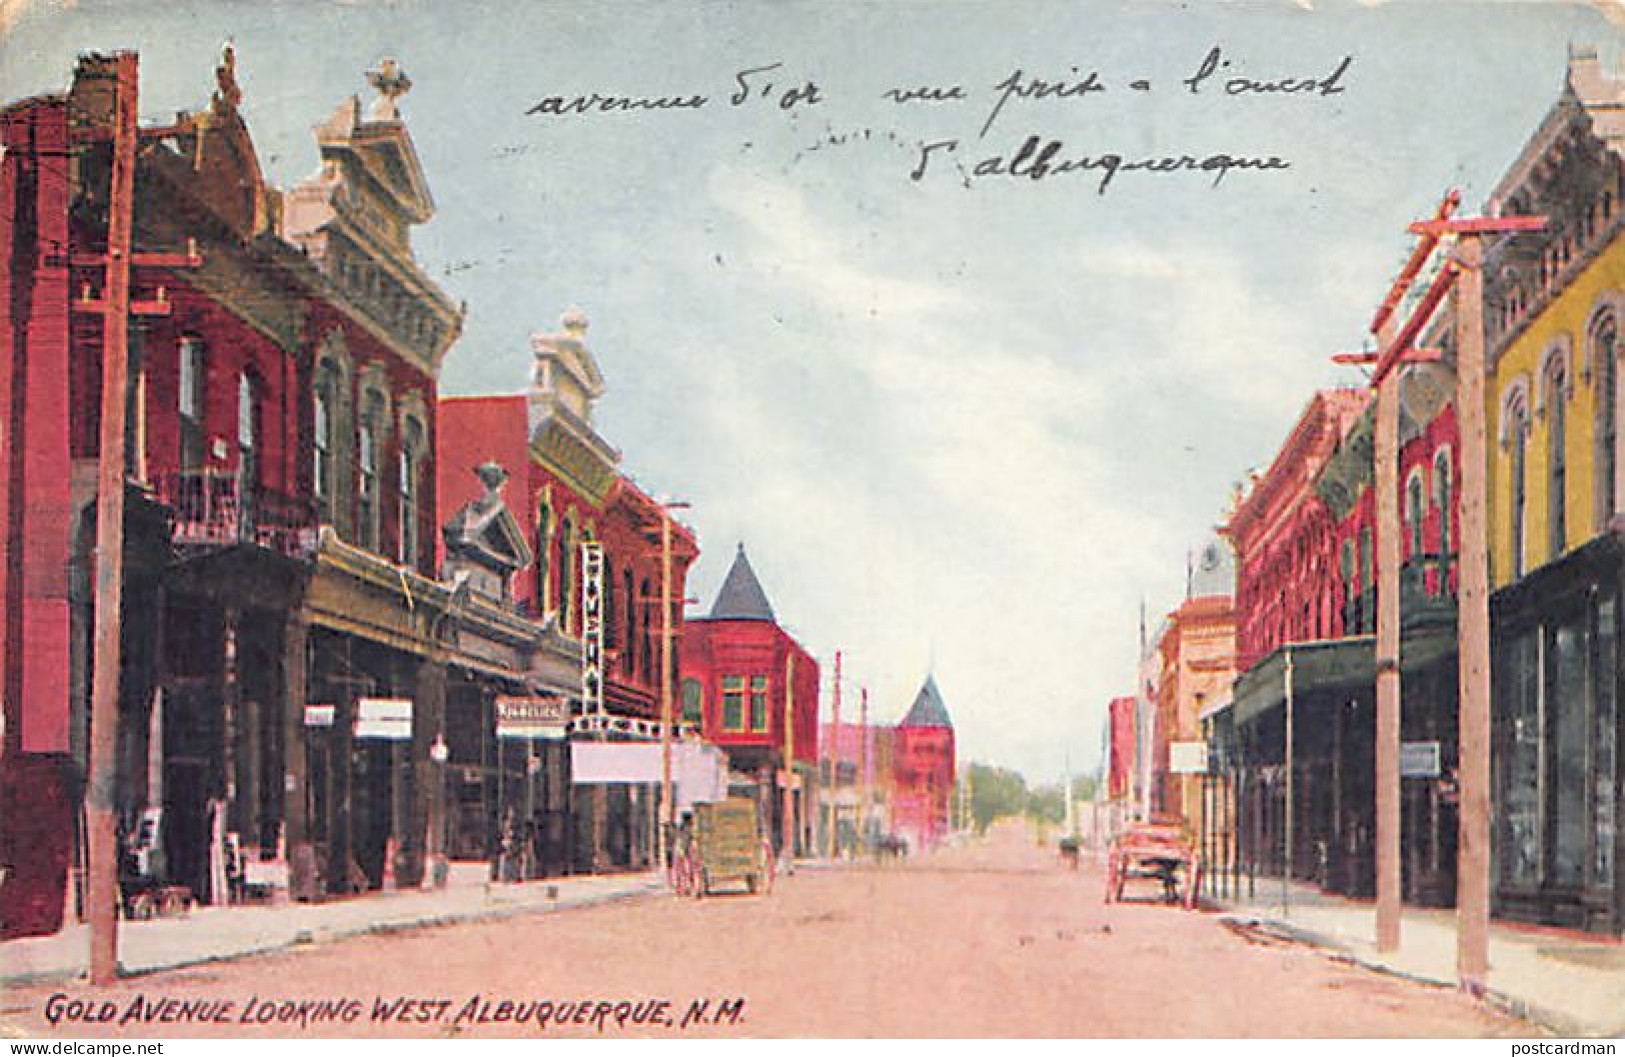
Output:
x,y
964,420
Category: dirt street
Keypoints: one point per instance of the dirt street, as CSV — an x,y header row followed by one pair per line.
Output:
x,y
996,939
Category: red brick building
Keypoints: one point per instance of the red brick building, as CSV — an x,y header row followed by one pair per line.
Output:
x,y
1120,748
755,690
923,770
567,494
1306,544
283,362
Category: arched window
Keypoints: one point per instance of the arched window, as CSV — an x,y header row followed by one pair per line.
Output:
x,y
248,453
633,606
1517,470
644,594
1444,499
567,576
1603,339
544,556
369,460
333,443
1415,512
192,371
1557,442
411,487
324,454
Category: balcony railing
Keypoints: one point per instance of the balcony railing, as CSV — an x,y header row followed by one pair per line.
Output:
x,y
1427,591
213,509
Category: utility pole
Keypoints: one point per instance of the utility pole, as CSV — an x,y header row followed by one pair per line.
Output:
x,y
1473,632
1472,604
834,848
863,769
1287,755
667,808
787,824
1397,346
101,825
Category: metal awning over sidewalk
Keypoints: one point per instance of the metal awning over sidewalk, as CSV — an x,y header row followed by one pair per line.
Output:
x,y
1317,667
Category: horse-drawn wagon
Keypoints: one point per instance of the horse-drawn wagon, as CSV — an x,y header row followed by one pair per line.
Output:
x,y
723,845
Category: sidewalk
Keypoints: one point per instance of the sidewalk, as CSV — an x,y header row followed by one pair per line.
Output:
x,y
211,934
1570,982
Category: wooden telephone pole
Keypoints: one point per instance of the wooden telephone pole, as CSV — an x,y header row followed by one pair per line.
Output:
x,y
787,823
100,822
115,306
1472,605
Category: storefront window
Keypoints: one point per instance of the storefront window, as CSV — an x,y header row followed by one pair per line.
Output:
x,y
1566,713
1520,856
1603,726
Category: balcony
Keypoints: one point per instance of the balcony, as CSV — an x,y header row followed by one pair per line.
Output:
x,y
1427,591
212,509
1427,597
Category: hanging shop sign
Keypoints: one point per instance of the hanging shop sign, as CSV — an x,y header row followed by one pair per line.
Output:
x,y
1187,757
533,718
1419,759
385,718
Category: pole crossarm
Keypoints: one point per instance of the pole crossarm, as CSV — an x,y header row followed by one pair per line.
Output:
x,y
1413,266
1403,344
1477,226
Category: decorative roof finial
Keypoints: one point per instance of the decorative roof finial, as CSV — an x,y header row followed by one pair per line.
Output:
x,y
392,83
227,93
574,322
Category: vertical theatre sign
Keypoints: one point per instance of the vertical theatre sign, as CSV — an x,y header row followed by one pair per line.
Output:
x,y
592,631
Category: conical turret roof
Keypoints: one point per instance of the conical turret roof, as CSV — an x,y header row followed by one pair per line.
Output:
x,y
741,596
928,709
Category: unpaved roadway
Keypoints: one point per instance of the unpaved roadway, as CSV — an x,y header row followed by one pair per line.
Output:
x,y
995,939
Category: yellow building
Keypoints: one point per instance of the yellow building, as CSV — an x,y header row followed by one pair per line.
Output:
x,y
1552,308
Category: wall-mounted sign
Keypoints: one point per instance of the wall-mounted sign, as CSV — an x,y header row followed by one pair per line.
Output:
x,y
532,718
319,715
1187,757
387,718
592,627
1419,759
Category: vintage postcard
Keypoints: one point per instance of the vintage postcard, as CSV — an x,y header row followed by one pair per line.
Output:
x,y
828,518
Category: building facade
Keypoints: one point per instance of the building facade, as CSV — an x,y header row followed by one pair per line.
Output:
x,y
923,770
755,690
257,494
593,584
1553,304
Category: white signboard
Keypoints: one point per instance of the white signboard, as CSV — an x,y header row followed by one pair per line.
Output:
x,y
1187,757
386,718
533,718
1419,759
592,627
319,715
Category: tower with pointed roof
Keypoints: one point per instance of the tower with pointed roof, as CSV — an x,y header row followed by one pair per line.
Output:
x,y
923,769
753,690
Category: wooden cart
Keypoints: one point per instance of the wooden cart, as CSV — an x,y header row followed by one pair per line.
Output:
x,y
722,847
1158,852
